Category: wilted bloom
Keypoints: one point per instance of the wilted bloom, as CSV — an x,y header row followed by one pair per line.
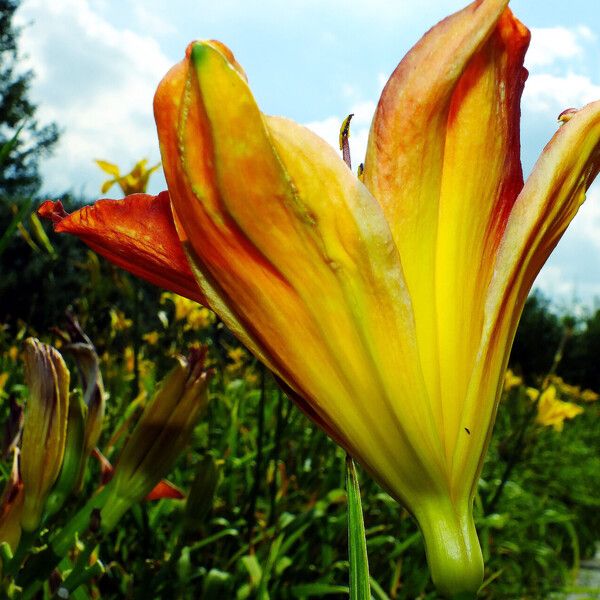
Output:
x,y
74,459
552,412
45,426
161,434
387,305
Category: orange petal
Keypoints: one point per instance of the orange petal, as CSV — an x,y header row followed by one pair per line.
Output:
x,y
136,234
165,489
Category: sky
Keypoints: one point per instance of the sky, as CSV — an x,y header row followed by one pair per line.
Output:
x,y
98,62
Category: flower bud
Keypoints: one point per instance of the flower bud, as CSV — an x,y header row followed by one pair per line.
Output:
x,y
73,459
202,493
88,364
45,426
161,434
11,507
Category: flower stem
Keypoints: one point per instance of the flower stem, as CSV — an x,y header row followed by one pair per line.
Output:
x,y
357,544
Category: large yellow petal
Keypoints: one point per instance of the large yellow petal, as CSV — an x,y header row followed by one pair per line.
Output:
x,y
300,253
480,182
411,167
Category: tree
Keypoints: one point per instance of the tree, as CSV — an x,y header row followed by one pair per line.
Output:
x,y
537,339
19,174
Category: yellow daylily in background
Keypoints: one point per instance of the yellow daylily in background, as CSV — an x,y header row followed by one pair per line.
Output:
x,y
134,182
511,380
589,396
386,306
552,412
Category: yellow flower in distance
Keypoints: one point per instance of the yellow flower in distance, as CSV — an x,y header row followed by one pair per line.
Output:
x,y
118,320
511,380
552,412
134,182
151,337
387,305
589,396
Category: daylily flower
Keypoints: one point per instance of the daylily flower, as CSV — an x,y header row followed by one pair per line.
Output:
x,y
131,183
386,306
552,411
511,380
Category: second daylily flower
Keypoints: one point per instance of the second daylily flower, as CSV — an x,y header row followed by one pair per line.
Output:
x,y
386,306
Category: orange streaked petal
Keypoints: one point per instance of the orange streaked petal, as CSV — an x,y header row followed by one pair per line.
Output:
x,y
136,234
404,165
167,106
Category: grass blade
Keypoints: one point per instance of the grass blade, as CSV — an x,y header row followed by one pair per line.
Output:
x,y
357,544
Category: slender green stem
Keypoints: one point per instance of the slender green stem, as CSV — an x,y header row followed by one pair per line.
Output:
x,y
80,573
259,455
39,566
25,543
357,543
136,337
279,423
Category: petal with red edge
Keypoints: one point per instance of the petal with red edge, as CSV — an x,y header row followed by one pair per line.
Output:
x,y
548,202
165,489
136,234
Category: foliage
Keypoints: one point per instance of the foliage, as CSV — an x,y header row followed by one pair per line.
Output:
x,y
276,525
537,338
265,514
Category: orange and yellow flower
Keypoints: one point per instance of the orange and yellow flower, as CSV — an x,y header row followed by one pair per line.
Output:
x,y
387,305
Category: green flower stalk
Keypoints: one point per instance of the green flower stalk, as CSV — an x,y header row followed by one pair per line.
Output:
x,y
45,427
160,436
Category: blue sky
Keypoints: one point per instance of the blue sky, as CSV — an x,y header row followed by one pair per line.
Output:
x,y
97,63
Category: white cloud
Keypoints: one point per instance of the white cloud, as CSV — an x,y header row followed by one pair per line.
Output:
x,y
549,44
586,224
551,87
572,273
552,282
97,82
545,92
